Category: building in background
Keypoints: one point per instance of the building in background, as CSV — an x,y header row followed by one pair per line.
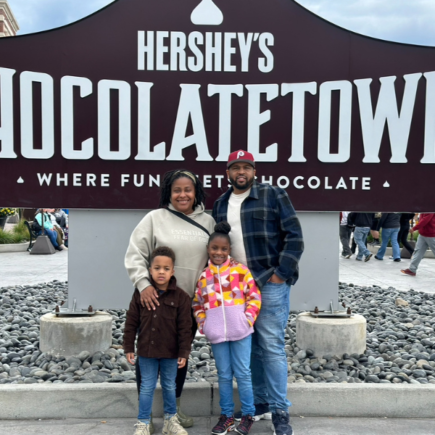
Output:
x,y
8,23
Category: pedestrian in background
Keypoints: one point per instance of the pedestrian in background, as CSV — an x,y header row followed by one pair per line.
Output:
x,y
426,239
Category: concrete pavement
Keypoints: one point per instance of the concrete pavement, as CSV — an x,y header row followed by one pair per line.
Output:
x,y
20,268
306,426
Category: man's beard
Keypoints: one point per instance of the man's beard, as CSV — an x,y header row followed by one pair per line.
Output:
x,y
238,186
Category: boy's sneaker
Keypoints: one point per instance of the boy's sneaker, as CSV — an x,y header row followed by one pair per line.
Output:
x,y
245,425
173,427
142,428
224,425
368,257
281,423
261,413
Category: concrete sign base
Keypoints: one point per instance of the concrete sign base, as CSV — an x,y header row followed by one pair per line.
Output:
x,y
331,336
99,240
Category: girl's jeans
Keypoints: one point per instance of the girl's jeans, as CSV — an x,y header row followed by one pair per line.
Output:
x,y
233,358
149,368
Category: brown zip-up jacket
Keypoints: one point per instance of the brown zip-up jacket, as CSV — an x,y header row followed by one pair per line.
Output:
x,y
165,332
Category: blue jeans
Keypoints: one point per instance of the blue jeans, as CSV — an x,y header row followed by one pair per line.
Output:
x,y
360,236
389,234
52,235
233,359
149,369
268,359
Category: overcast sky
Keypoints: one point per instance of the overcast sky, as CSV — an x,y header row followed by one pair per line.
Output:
x,y
410,21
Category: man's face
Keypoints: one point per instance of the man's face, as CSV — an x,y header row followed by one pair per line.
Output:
x,y
241,176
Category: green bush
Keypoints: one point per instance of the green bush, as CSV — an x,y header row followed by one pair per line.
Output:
x,y
19,234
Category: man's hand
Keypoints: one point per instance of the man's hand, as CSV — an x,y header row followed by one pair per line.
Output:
x,y
276,279
148,298
411,230
181,362
130,358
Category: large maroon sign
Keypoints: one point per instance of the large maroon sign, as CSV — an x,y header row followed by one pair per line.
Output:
x,y
93,114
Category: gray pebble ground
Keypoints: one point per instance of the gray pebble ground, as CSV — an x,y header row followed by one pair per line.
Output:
x,y
400,343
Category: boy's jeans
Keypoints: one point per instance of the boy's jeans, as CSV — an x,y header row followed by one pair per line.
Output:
x,y
268,359
360,236
233,359
149,368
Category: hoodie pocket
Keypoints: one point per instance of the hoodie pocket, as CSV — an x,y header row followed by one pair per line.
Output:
x,y
238,326
214,328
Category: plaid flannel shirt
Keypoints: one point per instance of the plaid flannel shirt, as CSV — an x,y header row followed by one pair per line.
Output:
x,y
272,233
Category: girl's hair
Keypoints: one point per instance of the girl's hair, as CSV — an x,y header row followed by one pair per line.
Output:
x,y
168,180
222,229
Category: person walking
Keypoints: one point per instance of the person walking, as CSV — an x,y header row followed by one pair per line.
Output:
x,y
267,237
345,233
182,224
402,237
363,223
390,224
426,240
226,306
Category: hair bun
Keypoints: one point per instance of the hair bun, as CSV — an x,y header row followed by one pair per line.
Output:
x,y
222,227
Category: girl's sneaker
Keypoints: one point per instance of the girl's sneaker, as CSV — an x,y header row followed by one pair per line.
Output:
x,y
173,427
142,428
224,425
245,425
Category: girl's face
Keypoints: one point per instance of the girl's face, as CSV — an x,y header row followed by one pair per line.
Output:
x,y
218,250
183,195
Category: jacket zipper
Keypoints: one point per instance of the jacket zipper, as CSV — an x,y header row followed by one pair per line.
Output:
x,y
223,303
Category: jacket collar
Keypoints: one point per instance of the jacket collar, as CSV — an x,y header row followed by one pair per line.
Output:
x,y
222,268
172,283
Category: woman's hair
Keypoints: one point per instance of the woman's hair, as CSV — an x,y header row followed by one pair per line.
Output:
x,y
168,180
162,251
222,229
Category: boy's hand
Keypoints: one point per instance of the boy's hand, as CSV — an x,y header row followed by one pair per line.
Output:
x,y
130,357
181,362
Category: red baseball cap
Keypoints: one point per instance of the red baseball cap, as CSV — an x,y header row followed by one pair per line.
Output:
x,y
241,156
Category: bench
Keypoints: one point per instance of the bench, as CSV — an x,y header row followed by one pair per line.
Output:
x,y
32,233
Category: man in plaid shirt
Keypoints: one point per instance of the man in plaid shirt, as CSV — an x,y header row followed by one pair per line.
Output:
x,y
266,236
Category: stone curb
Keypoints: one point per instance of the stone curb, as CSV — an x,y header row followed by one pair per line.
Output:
x,y
104,401
14,247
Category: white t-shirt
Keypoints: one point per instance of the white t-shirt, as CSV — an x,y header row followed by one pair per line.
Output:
x,y
236,234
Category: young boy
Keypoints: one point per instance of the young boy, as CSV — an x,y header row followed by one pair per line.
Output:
x,y
163,343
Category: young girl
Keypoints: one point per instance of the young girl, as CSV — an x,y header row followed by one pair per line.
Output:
x,y
226,305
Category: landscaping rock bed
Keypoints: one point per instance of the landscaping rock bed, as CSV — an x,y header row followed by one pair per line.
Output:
x,y
400,343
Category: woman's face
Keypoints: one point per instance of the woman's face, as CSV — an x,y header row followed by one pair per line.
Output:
x,y
183,195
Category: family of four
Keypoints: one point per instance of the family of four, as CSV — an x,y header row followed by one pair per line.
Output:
x,y
229,275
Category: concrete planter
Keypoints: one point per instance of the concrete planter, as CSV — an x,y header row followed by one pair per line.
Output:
x,y
14,247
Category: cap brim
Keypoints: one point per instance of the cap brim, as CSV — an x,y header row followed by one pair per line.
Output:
x,y
241,161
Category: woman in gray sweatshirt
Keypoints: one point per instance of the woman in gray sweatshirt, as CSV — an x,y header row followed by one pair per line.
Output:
x,y
181,193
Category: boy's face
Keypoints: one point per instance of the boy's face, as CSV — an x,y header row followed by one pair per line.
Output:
x,y
162,268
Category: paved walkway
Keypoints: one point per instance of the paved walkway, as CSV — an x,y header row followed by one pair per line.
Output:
x,y
386,273
20,268
306,426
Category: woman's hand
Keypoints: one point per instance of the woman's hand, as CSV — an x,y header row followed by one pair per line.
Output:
x,y
130,358
148,298
181,362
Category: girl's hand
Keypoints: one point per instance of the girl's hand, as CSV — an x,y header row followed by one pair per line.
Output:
x,y
130,358
181,362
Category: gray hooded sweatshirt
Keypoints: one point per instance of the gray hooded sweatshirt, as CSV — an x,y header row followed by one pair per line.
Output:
x,y
162,228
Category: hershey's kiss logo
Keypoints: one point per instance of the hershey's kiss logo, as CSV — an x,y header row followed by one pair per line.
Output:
x,y
207,13
20,180
386,184
240,154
